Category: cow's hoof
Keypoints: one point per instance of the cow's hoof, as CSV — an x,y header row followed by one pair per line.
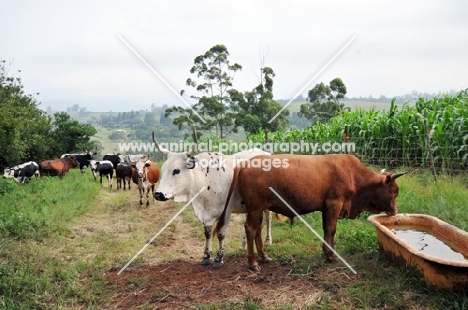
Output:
x,y
205,261
267,260
218,264
255,268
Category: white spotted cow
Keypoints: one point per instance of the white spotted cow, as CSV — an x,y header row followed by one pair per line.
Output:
x,y
184,175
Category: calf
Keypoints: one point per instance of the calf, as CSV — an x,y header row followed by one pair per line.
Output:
x,y
339,186
123,173
103,168
22,172
145,174
58,167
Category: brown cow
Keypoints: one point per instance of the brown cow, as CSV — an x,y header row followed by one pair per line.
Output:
x,y
145,174
339,186
58,167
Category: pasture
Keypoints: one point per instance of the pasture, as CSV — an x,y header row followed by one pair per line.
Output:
x,y
62,243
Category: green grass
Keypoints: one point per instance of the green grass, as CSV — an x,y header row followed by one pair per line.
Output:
x,y
30,216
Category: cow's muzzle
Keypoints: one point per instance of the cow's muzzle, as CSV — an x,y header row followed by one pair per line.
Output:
x,y
160,196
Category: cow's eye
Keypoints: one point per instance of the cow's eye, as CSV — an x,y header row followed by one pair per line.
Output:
x,y
176,171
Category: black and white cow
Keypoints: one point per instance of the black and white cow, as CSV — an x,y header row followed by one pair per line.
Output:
x,y
82,159
103,168
22,172
115,159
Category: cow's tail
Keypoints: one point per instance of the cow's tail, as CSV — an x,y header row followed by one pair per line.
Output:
x,y
222,218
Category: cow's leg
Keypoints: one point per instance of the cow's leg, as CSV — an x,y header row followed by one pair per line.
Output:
x,y
218,263
141,191
259,243
268,238
147,195
253,221
208,245
329,220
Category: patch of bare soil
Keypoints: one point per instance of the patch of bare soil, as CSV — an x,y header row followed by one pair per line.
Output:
x,y
184,284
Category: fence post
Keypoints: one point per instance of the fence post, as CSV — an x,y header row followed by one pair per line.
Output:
x,y
346,138
431,159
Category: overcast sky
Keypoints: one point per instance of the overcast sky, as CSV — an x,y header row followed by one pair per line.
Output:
x,y
70,51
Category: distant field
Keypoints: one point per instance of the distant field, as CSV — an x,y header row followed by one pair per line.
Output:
x,y
295,106
102,135
112,146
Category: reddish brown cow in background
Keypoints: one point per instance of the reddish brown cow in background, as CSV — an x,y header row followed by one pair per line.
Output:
x,y
58,167
339,186
145,174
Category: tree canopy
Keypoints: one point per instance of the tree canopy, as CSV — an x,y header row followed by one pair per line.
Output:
x,y
324,101
28,133
214,75
257,107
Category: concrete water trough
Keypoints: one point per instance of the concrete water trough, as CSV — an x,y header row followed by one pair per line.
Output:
x,y
438,250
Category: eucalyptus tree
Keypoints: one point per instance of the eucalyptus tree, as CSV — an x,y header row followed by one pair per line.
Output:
x,y
324,101
214,75
257,109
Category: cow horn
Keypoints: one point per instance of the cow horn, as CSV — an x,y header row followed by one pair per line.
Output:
x,y
397,175
160,148
192,151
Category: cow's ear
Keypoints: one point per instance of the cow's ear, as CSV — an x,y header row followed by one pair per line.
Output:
x,y
192,162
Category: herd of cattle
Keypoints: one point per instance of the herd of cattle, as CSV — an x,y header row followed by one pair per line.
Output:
x,y
217,185
126,168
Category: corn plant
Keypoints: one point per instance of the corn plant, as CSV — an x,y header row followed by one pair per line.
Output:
x,y
397,134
